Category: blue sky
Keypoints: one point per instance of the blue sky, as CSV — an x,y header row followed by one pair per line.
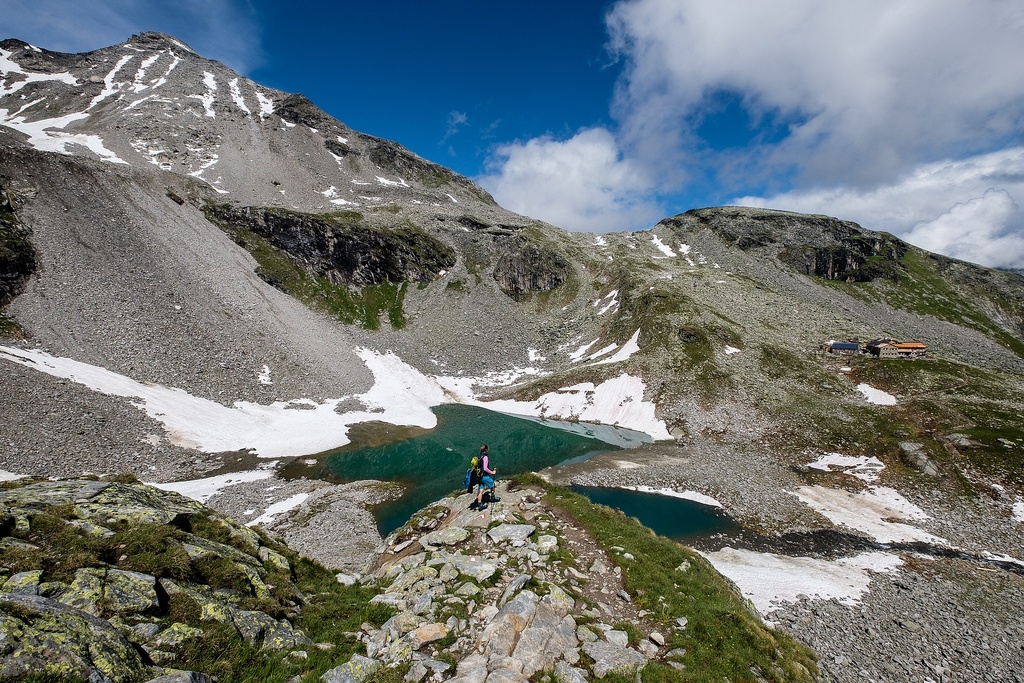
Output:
x,y
903,115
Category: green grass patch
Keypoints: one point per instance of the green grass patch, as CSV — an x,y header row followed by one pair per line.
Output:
x,y
365,306
10,329
330,614
938,398
724,639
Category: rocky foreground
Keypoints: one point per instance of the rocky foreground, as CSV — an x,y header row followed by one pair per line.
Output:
x,y
121,582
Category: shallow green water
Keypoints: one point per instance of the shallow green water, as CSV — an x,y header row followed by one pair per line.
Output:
x,y
676,518
433,464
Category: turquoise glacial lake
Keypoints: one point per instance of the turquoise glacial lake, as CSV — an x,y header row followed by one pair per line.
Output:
x,y
431,464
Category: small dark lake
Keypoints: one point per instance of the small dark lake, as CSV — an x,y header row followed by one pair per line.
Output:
x,y
680,519
432,464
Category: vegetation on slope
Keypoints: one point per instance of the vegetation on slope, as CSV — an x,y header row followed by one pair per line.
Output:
x,y
323,289
724,638
211,587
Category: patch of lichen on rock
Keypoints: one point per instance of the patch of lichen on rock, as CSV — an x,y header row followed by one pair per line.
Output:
x,y
88,567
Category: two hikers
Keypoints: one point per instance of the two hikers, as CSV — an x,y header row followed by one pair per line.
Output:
x,y
482,476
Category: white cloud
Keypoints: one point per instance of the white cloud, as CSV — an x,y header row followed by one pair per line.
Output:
x,y
456,121
868,89
224,30
969,208
902,107
582,183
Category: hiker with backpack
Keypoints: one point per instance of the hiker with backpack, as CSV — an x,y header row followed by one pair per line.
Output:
x,y
482,476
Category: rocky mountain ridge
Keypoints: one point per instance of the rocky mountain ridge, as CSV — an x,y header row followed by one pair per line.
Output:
x,y
191,229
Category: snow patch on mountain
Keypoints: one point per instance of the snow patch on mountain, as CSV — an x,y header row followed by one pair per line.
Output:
x,y
204,489
876,396
862,467
770,581
266,105
662,247
628,349
210,96
236,96
8,67
400,395
48,134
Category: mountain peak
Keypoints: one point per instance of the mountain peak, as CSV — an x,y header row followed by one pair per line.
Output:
x,y
157,40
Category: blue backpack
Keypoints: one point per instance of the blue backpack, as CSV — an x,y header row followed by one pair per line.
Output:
x,y
474,464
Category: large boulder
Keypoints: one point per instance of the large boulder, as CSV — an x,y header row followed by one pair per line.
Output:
x,y
45,638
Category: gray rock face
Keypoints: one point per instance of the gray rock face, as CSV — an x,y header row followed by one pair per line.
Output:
x,y
519,623
527,267
43,635
356,670
609,657
516,534
93,624
916,456
17,256
341,248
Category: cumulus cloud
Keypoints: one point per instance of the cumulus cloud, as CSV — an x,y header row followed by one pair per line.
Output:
x,y
968,208
582,183
867,90
224,30
908,110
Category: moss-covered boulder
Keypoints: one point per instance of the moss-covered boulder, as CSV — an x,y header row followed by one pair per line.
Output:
x,y
43,638
111,580
101,591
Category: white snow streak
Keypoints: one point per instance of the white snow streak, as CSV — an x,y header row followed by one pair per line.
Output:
x,y
209,96
662,247
862,467
870,512
400,395
48,134
686,495
236,95
578,354
627,350
266,104
10,67
278,508
876,396
204,489
139,84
